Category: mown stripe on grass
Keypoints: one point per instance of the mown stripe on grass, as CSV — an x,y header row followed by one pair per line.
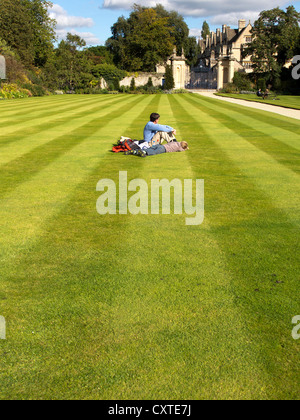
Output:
x,y
39,110
16,106
278,147
278,143
275,180
11,132
50,121
38,114
25,209
261,247
45,133
279,121
22,169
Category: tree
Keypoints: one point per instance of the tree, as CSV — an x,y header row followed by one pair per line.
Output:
x,y
110,73
100,55
192,51
146,38
169,79
26,27
205,30
177,23
43,29
132,84
71,65
276,37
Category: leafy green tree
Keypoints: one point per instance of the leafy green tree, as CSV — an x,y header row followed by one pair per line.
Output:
x,y
72,67
149,83
100,55
169,79
205,30
110,73
132,84
5,49
242,81
26,27
16,29
43,29
192,51
177,23
142,40
276,37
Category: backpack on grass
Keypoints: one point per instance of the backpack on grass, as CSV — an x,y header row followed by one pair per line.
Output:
x,y
124,146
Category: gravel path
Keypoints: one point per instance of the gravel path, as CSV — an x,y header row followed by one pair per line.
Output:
x,y
287,112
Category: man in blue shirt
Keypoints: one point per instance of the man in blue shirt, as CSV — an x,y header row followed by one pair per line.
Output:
x,y
154,133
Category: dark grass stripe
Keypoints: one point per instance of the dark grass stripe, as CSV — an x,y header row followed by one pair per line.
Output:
x,y
281,122
280,151
22,169
56,123
40,112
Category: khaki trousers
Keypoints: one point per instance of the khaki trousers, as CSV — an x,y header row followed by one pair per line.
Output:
x,y
160,137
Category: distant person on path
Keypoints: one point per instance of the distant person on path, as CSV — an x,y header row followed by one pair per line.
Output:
x,y
154,133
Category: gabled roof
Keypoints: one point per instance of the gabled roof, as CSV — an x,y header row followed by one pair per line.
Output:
x,y
237,34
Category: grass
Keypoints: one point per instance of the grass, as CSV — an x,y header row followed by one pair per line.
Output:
x,y
145,307
285,101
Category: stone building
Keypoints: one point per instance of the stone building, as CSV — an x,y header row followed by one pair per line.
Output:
x,y
181,71
221,57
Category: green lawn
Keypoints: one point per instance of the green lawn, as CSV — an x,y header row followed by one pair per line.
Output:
x,y
285,101
145,307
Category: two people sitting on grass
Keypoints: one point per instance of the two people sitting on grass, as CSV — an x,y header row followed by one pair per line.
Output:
x,y
262,94
154,135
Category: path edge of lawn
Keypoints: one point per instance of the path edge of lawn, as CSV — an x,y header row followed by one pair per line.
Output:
x,y
228,95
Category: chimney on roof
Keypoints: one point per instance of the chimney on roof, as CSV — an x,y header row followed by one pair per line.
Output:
x,y
224,28
242,24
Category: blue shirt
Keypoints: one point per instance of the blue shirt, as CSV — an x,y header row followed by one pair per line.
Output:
x,y
151,129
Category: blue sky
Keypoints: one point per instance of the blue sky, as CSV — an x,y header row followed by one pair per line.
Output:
x,y
92,19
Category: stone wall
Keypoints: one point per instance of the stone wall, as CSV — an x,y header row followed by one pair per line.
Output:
x,y
141,79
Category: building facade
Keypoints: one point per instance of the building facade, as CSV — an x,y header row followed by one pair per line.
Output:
x,y
221,56
181,71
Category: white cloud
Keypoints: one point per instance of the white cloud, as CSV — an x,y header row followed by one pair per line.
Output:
x,y
64,20
89,37
195,32
202,8
67,23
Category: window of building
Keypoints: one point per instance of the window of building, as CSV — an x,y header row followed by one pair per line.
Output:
x,y
247,65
